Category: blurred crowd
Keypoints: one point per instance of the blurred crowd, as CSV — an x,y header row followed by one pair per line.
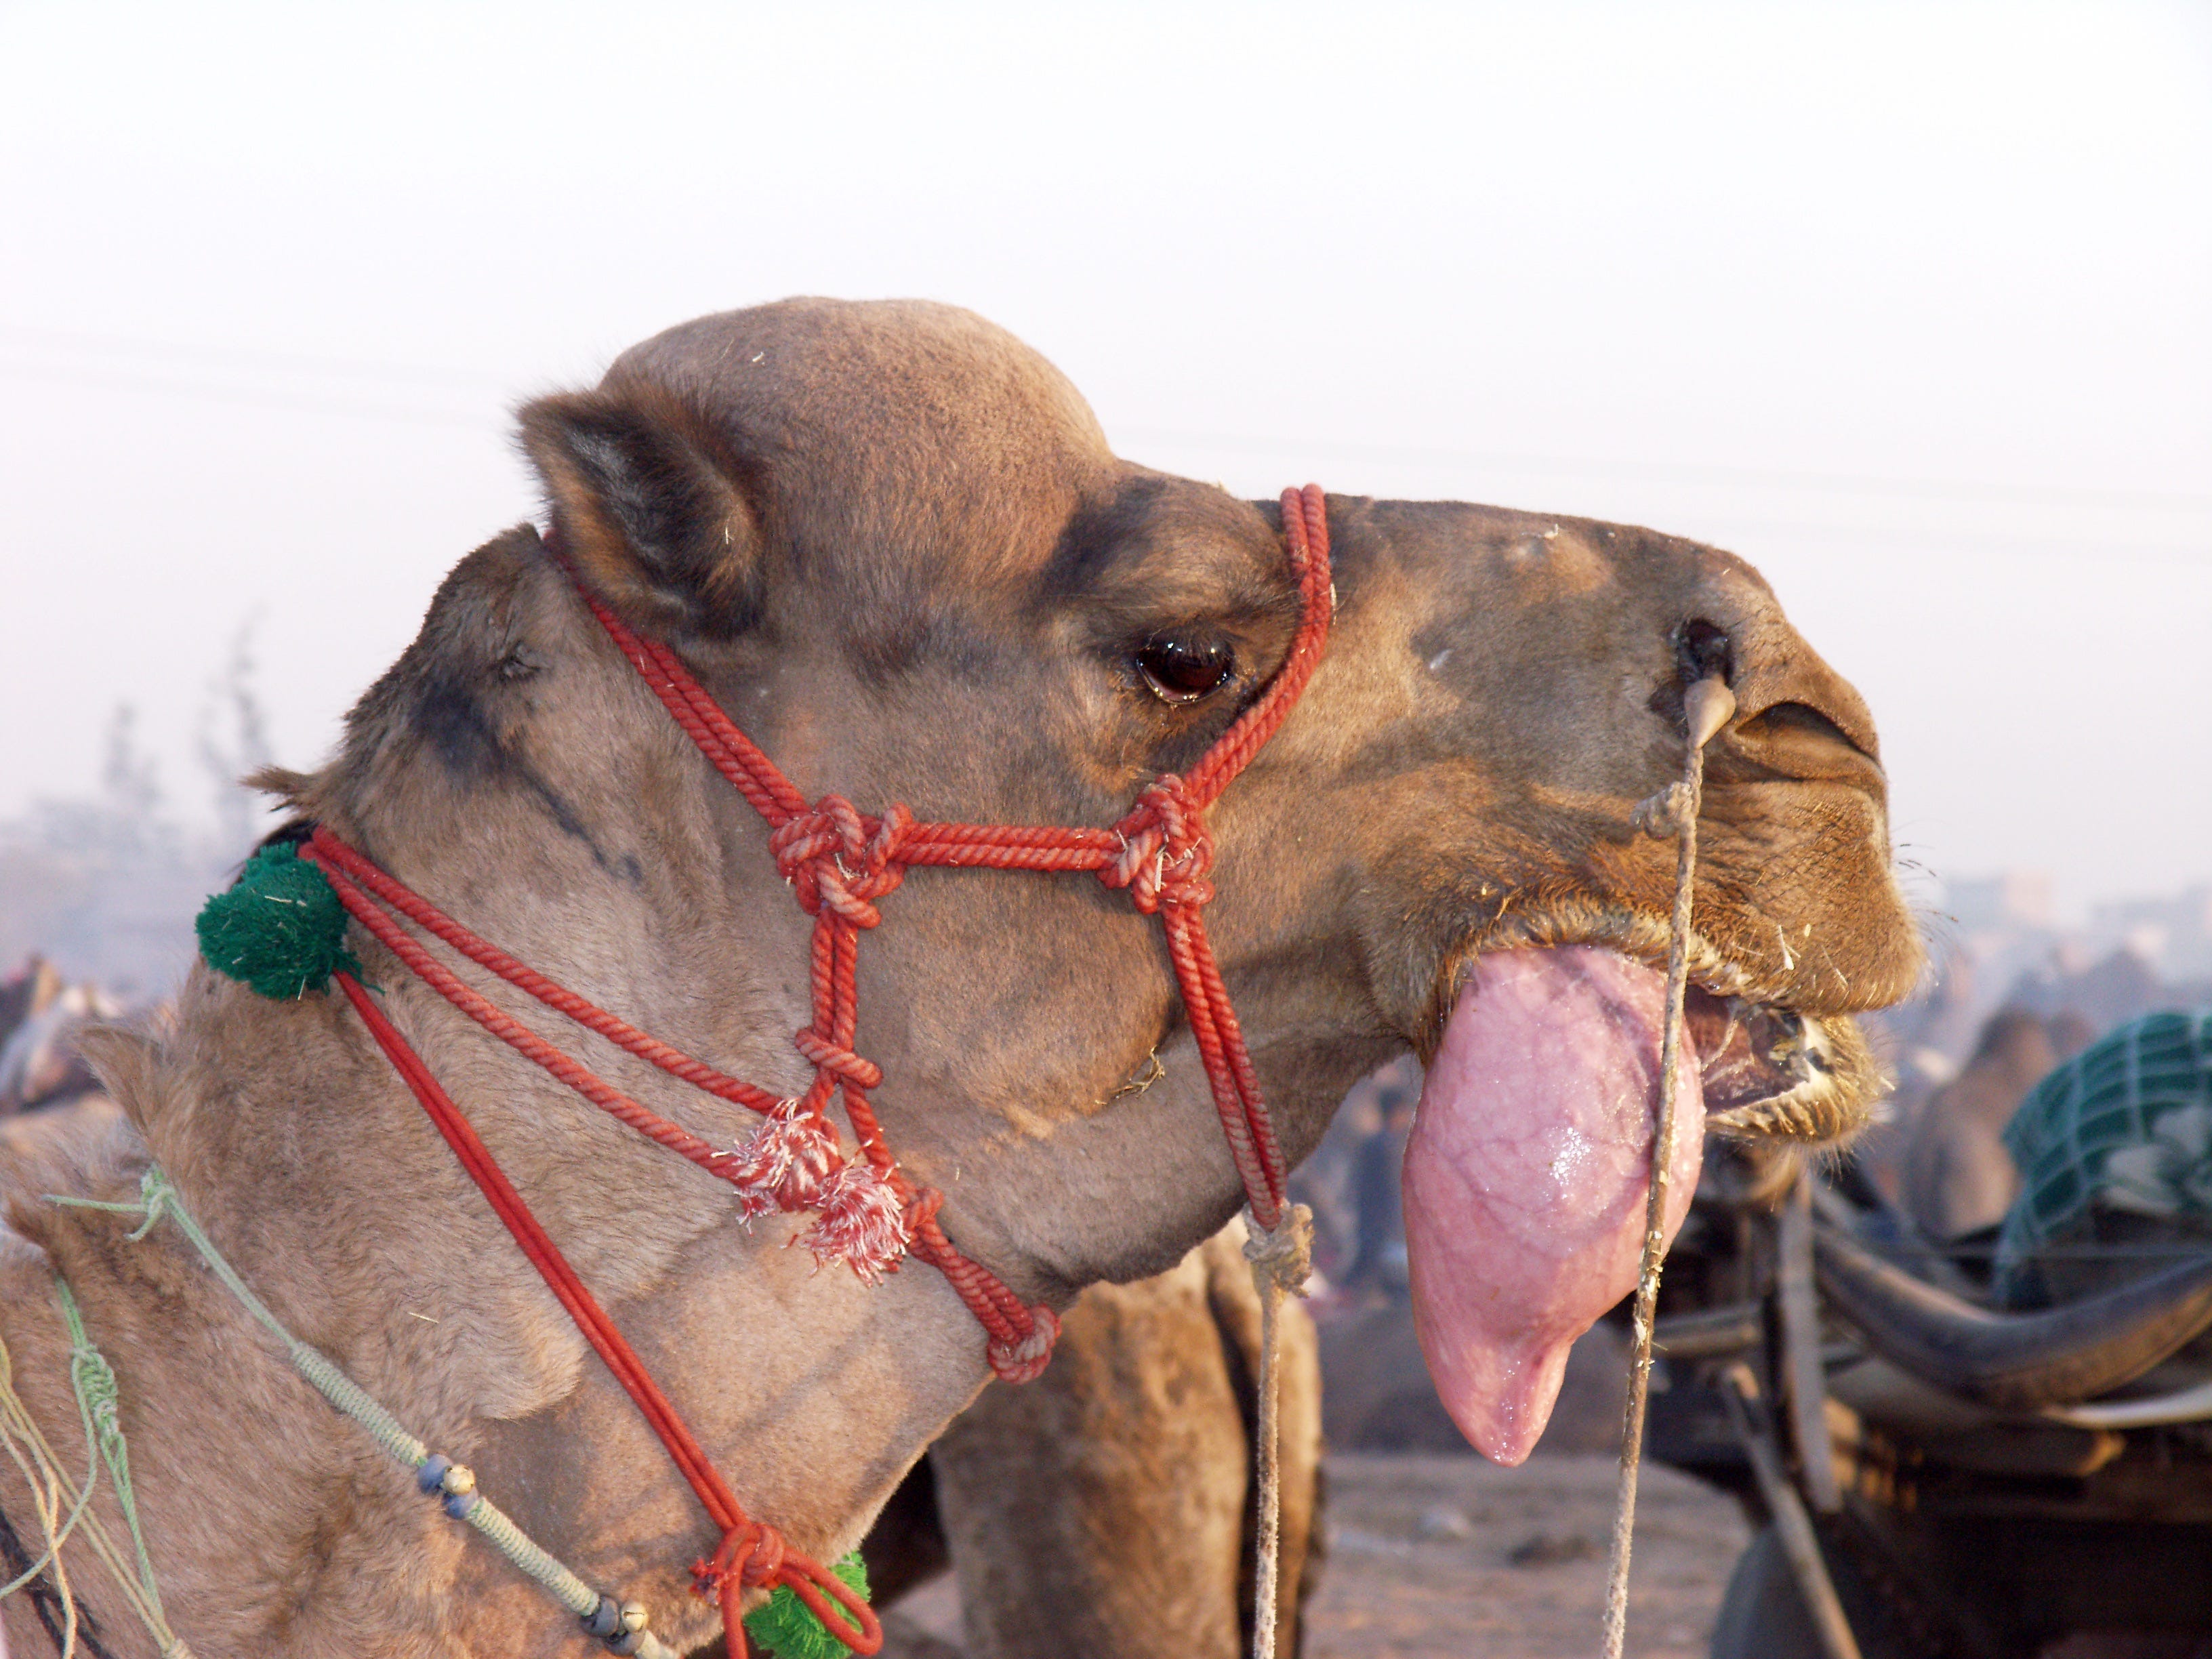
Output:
x,y
1352,1184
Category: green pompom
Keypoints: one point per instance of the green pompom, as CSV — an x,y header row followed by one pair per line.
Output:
x,y
279,928
786,1626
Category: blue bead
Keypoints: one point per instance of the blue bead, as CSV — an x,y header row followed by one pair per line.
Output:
x,y
457,1505
605,1620
430,1474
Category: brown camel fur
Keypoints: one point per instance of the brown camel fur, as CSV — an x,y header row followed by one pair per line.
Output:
x,y
893,543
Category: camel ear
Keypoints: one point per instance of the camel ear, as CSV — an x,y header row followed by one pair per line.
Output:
x,y
646,496
129,1065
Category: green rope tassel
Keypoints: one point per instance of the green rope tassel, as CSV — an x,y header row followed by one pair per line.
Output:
x,y
786,1626
279,928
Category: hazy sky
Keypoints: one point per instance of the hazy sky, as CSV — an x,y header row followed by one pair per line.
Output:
x,y
1909,305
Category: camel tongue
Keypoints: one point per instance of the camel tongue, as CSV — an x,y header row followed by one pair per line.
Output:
x,y
1526,1177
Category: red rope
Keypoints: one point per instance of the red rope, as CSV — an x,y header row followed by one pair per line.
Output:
x,y
817,849
839,862
325,850
750,1552
329,851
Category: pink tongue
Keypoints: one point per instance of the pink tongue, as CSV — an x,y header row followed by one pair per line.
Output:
x,y
1527,1173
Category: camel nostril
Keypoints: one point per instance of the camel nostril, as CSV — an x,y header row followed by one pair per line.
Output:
x,y
1777,721
1703,650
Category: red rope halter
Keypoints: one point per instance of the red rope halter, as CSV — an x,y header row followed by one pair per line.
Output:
x,y
840,862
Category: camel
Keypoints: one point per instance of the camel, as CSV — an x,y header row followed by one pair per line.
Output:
x,y
1055,1497
892,542
1958,1177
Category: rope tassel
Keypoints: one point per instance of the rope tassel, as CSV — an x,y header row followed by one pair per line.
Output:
x,y
863,1224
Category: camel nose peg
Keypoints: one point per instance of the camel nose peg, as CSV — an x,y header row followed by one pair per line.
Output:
x,y
1706,707
1705,656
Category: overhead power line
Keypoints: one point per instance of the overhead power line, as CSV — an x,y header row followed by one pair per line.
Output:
x,y
247,397
292,363
313,364
1841,483
113,369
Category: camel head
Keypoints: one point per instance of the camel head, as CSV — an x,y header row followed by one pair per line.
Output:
x,y
894,545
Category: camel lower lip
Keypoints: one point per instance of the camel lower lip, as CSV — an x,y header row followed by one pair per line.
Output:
x,y
1526,1174
1747,1051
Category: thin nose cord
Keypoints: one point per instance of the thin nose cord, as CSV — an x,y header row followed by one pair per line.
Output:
x,y
1707,706
1280,1262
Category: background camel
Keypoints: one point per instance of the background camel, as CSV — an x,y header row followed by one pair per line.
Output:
x,y
893,544
1110,1502
1958,1177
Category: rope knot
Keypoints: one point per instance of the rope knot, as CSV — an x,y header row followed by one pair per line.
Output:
x,y
1661,816
751,1554
156,1196
784,1164
838,1061
921,1210
96,1390
831,854
1022,1360
1281,1258
1166,850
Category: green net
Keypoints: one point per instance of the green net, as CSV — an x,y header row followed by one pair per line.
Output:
x,y
2125,1125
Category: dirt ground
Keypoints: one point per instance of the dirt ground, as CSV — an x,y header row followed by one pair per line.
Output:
x,y
1436,1556
1432,1555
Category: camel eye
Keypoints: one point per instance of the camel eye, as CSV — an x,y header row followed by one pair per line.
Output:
x,y
1183,670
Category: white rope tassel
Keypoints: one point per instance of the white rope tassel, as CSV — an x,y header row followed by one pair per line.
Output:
x,y
1706,707
1280,1262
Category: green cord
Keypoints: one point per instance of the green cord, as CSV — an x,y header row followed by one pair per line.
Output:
x,y
157,1198
28,1449
94,1380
